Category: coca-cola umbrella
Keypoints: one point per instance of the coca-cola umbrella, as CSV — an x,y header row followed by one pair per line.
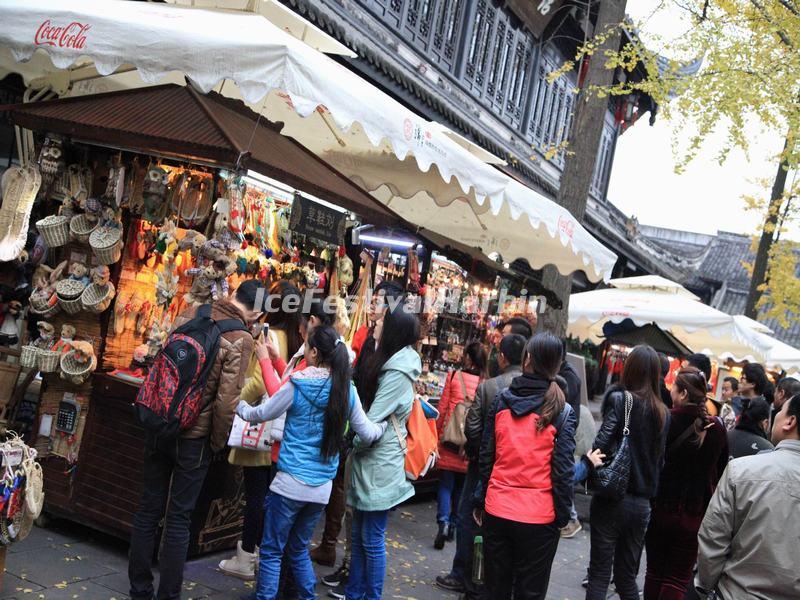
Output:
x,y
322,104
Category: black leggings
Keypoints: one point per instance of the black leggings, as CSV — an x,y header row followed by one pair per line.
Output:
x,y
256,484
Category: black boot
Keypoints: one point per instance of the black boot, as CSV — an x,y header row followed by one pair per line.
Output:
x,y
444,530
451,532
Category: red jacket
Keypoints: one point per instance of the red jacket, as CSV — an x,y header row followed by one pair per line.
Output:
x,y
450,460
527,474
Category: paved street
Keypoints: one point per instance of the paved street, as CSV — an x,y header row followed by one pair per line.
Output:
x,y
69,562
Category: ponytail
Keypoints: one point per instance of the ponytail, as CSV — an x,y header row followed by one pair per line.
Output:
x,y
546,352
333,354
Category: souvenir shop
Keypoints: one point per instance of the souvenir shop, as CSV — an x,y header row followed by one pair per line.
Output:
x,y
127,208
130,206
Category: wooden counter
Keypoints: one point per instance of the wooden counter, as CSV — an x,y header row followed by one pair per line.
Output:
x,y
103,489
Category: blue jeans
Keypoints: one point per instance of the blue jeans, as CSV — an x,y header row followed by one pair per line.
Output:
x,y
288,524
449,492
368,560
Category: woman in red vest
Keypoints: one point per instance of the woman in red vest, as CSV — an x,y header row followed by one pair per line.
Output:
x,y
526,467
460,388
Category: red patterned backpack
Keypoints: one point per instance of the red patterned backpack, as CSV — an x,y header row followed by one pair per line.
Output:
x,y
171,398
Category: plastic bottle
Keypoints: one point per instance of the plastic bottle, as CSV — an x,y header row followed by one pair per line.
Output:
x,y
477,560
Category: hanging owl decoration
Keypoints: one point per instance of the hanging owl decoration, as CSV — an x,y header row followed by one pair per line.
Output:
x,y
51,160
154,193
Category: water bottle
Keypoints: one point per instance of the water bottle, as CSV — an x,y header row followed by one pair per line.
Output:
x,y
477,560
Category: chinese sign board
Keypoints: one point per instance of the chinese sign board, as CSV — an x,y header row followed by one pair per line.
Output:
x,y
317,221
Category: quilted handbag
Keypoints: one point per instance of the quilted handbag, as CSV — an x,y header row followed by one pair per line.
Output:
x,y
611,480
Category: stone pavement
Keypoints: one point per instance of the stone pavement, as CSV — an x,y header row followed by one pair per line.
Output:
x,y
69,562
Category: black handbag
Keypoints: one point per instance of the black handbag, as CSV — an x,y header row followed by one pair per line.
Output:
x,y
611,480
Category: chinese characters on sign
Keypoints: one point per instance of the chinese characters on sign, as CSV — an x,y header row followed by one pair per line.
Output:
x,y
317,221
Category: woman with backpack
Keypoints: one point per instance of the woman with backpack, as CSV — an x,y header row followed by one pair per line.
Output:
x,y
695,457
526,469
318,400
633,410
378,481
457,397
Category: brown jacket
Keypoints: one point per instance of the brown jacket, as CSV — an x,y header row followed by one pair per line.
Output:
x,y
226,378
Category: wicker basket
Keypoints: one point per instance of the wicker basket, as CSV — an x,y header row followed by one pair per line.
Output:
x,y
106,244
69,289
75,371
97,298
48,360
27,356
80,227
54,230
72,306
45,311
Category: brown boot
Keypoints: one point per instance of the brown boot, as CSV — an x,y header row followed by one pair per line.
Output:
x,y
324,555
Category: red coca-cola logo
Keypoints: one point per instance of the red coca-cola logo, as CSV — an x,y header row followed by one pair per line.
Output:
x,y
67,36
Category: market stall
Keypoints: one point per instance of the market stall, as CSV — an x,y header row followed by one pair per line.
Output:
x,y
138,204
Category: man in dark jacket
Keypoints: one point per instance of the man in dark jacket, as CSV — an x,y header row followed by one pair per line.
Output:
x,y
510,362
174,469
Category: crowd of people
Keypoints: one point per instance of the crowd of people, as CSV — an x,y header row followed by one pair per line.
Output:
x,y
697,483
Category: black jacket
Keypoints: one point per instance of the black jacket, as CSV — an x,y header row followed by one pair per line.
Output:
x,y
479,411
646,440
524,396
744,442
573,392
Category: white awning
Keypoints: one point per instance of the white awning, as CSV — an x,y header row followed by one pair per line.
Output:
x,y
323,105
699,326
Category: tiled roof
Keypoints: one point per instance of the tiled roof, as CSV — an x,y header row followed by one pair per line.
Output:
x,y
724,260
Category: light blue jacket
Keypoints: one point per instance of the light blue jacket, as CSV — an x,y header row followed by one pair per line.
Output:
x,y
378,472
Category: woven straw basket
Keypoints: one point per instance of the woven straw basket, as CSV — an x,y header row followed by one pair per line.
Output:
x,y
106,244
48,360
27,356
69,289
72,306
54,230
80,227
45,311
75,370
97,298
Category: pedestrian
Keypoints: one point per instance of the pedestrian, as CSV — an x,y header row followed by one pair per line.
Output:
x,y
573,395
174,470
752,384
750,436
619,525
748,538
702,363
509,361
519,326
786,388
494,338
460,387
378,480
285,338
318,402
527,470
730,388
386,293
695,457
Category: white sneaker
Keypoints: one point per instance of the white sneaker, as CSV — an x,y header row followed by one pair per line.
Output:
x,y
241,565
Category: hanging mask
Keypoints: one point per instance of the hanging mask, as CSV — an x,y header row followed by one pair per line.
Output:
x,y
154,192
51,159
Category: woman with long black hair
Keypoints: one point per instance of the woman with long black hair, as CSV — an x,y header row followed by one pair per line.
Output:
x,y
318,400
750,435
526,468
619,524
378,481
695,457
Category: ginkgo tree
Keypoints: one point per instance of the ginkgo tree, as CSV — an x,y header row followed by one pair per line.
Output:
x,y
749,78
